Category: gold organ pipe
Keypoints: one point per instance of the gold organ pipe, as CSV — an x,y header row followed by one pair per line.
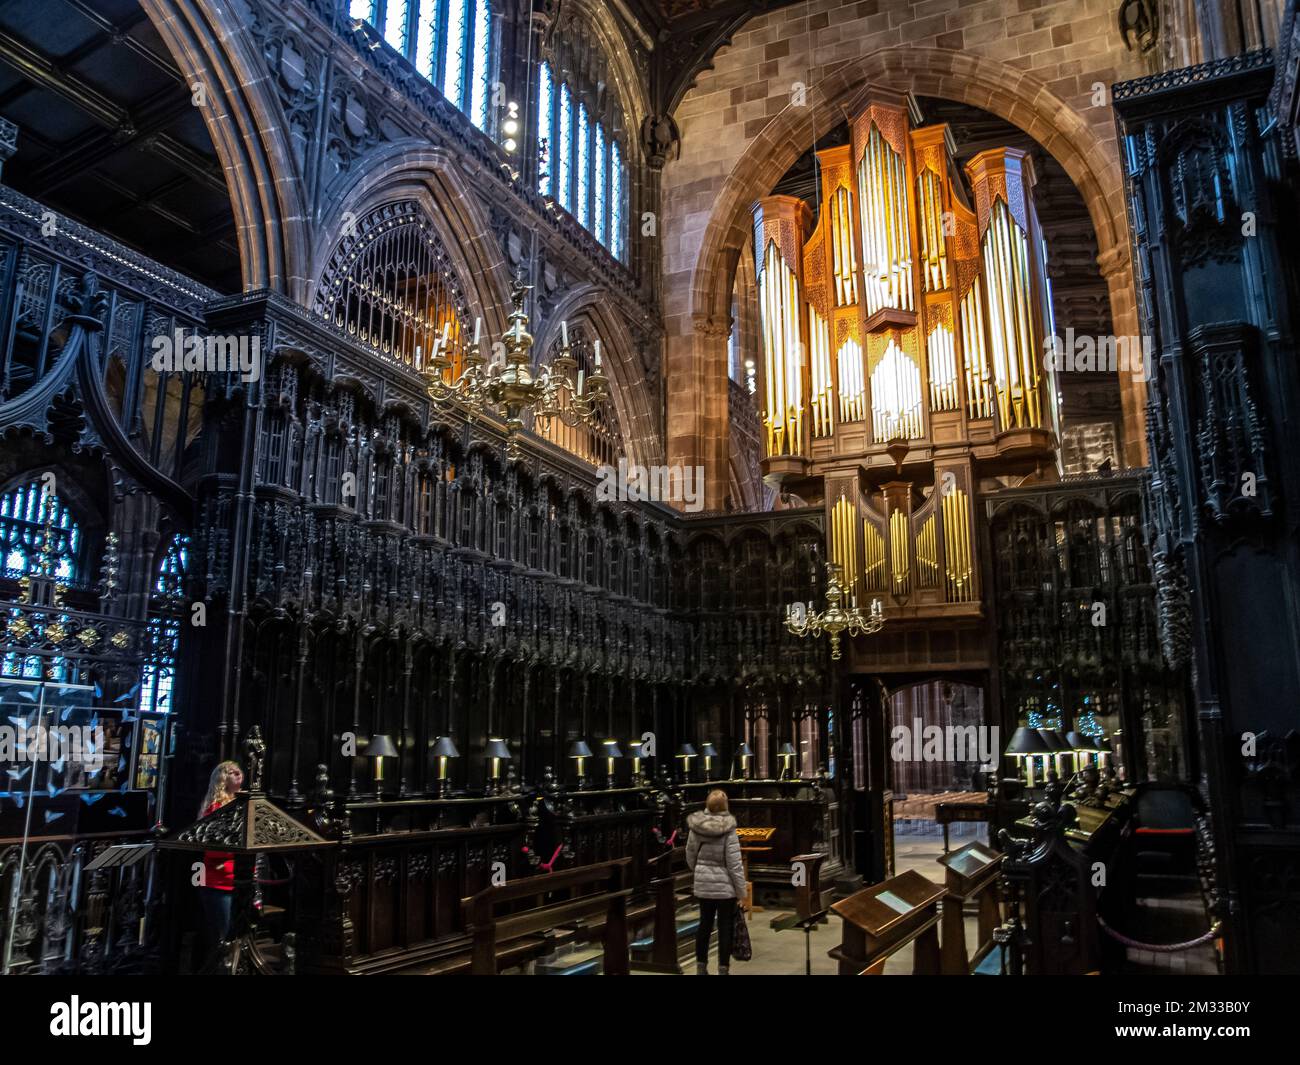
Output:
x,y
822,400
853,391
898,545
957,546
1015,363
793,362
843,254
886,245
934,242
874,556
927,556
844,545
979,398
779,306
896,396
942,352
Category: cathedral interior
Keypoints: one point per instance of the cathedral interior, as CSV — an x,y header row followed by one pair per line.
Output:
x,y
452,450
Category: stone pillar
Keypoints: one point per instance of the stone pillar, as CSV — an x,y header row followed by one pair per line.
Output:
x,y
1117,270
698,419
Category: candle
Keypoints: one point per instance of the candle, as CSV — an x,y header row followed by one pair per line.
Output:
x,y
446,331
478,330
564,333
418,363
597,350
581,377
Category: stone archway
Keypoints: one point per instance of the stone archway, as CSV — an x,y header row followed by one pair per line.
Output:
x,y
247,127
697,361
413,170
634,404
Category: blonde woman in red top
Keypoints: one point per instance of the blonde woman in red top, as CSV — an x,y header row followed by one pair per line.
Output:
x,y
216,893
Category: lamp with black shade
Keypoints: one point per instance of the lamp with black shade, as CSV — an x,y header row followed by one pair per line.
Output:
x,y
746,753
636,751
1026,744
379,748
685,753
708,752
443,750
496,752
611,753
580,752
787,754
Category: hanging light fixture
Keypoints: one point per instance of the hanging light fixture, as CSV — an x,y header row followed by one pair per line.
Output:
x,y
837,618
560,390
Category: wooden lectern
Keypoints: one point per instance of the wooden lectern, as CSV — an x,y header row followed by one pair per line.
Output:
x,y
880,920
972,874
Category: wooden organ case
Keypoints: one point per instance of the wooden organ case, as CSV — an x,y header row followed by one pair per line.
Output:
x,y
903,372
903,352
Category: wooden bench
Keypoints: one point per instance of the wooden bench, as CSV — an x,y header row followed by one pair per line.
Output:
x,y
669,877
608,901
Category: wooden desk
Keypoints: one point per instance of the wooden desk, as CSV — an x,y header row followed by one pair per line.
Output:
x,y
881,920
947,813
752,841
972,875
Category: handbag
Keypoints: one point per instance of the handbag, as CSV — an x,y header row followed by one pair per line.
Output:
x,y
741,948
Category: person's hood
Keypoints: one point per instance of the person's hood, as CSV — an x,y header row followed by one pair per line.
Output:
x,y
703,823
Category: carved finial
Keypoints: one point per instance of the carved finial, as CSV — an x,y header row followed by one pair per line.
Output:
x,y
255,753
324,793
519,288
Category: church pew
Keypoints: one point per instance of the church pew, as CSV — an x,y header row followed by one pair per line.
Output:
x,y
487,929
669,879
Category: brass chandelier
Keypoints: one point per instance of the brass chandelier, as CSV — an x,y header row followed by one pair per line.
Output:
x,y
559,390
837,618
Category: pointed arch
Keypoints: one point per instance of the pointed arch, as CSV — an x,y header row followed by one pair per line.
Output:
x,y
244,118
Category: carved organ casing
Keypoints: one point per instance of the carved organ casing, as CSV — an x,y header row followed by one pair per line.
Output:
x,y
903,340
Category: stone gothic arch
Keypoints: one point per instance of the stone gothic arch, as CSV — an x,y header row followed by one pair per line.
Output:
x,y
408,170
246,123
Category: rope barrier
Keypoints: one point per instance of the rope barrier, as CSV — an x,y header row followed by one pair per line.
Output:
x,y
1158,948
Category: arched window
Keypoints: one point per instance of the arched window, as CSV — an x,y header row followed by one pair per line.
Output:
x,y
599,442
390,283
579,128
38,538
23,513
166,604
448,41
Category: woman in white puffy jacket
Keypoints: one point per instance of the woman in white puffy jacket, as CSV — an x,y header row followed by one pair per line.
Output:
x,y
713,853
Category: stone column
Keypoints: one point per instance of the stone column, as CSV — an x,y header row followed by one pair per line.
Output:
x,y
1117,270
698,419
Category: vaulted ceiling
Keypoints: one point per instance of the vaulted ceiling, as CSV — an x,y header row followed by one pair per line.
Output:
x,y
686,33
109,135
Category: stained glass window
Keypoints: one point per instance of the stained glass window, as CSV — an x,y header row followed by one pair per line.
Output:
x,y
565,145
580,161
599,175
478,107
447,41
584,171
545,127
395,23
426,33
23,513
38,538
165,610
453,83
617,231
